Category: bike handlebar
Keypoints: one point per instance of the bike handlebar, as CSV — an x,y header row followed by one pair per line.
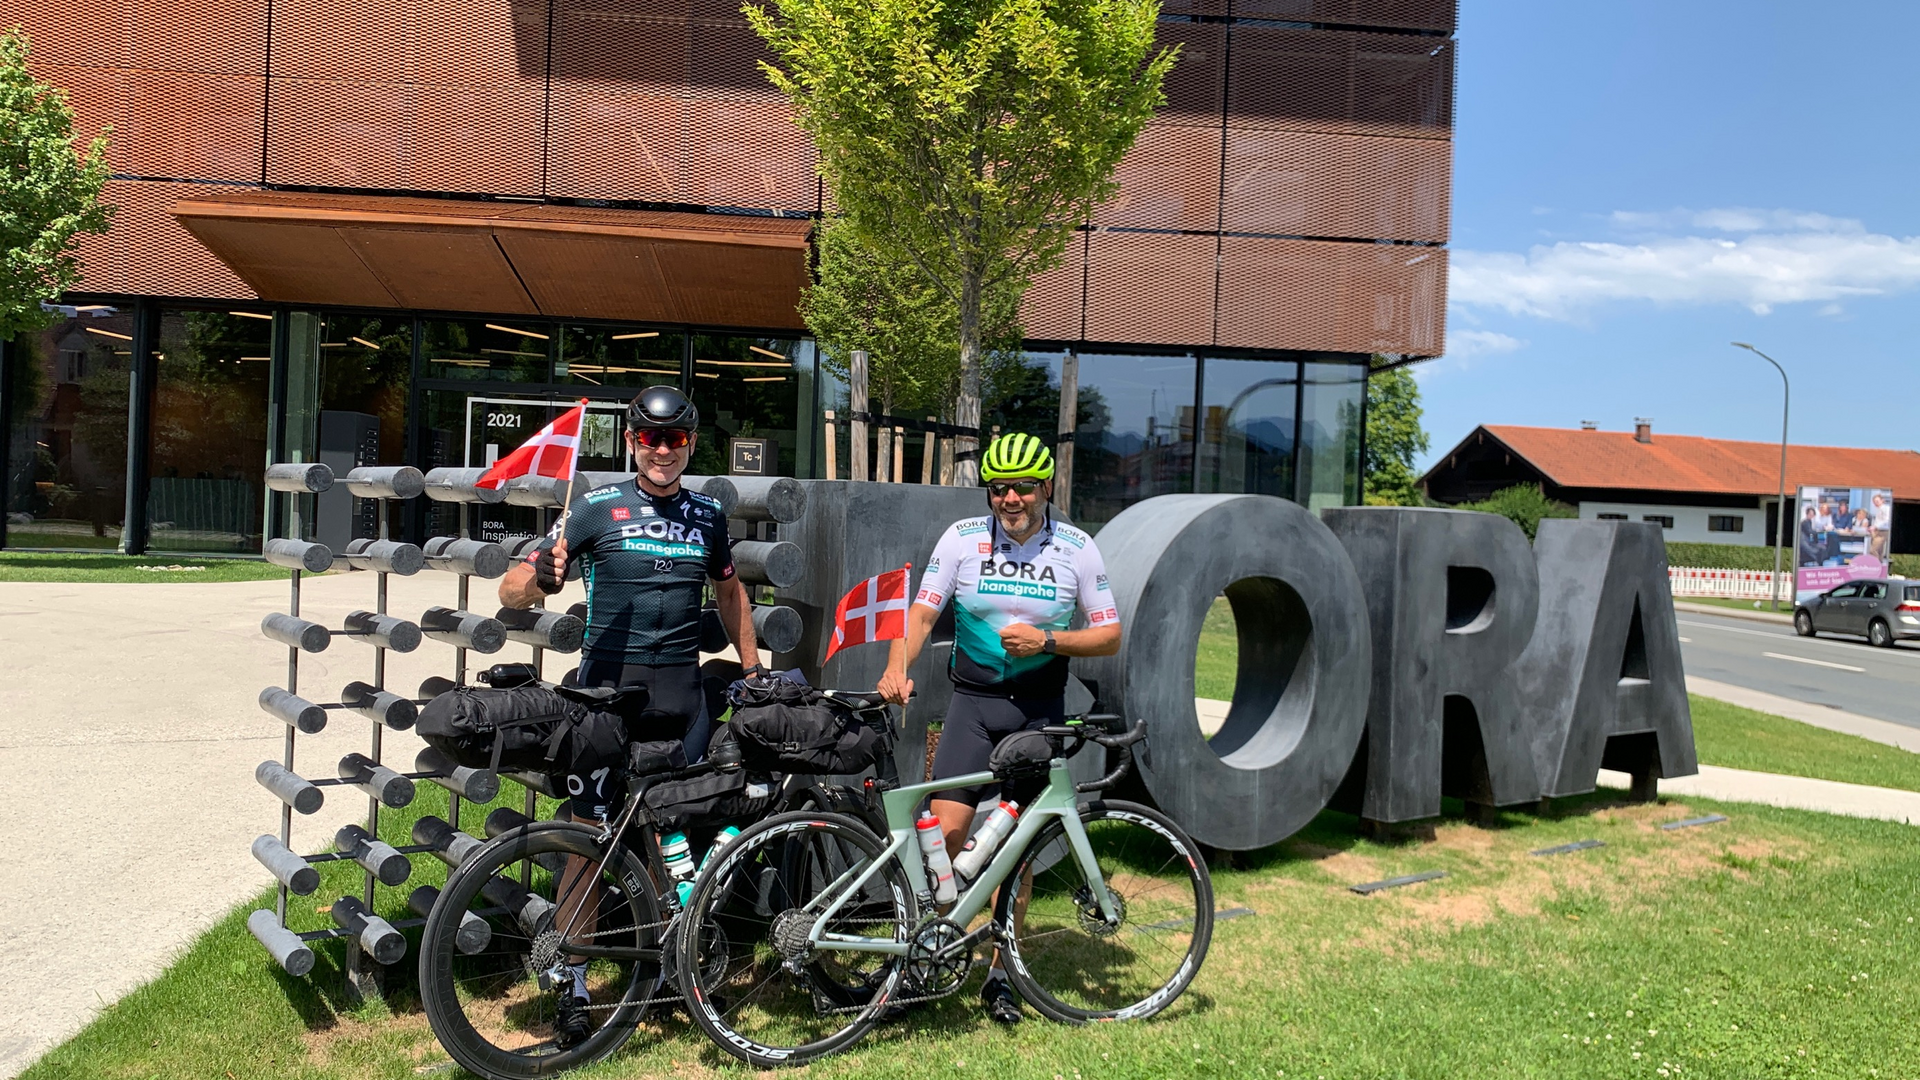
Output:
x,y
1120,742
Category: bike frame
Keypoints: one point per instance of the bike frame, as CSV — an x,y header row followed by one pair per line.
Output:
x,y
1058,800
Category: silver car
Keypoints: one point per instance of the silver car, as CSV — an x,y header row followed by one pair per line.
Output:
x,y
1883,611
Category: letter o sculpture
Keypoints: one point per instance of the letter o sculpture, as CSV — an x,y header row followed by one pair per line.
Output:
x,y
1300,698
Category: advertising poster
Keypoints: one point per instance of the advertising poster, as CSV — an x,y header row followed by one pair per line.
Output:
x,y
1843,534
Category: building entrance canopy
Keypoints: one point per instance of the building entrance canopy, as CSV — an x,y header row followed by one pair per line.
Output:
x,y
448,255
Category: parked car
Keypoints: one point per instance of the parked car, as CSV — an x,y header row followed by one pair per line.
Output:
x,y
1883,611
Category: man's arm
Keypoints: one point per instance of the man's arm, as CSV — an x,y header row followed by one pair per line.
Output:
x,y
894,685
1019,639
736,612
521,587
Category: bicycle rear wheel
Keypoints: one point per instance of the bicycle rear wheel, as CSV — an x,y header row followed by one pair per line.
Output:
x,y
488,1006
1073,965
750,979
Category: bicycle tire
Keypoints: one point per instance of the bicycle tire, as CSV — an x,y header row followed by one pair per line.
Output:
x,y
736,985
1066,960
487,1008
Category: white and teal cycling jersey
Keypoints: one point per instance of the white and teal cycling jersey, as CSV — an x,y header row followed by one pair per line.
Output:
x,y
996,582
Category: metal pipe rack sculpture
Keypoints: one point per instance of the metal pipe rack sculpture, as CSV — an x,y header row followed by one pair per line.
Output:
x,y
755,506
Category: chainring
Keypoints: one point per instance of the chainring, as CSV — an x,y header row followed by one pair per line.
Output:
x,y
932,970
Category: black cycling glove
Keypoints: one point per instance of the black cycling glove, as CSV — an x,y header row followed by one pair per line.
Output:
x,y
548,575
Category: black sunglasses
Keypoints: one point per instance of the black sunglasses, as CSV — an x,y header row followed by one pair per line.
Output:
x,y
1023,488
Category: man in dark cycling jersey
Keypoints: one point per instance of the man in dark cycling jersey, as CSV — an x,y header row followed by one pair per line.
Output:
x,y
647,548
1017,578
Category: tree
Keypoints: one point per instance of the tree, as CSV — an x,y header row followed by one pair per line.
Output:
x,y
972,136
48,192
1394,439
875,298
1524,505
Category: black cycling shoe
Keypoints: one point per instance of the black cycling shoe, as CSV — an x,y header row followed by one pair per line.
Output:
x,y
570,1021
1001,1002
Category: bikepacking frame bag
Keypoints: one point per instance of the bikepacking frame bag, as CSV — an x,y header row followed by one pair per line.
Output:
x,y
729,795
796,734
522,729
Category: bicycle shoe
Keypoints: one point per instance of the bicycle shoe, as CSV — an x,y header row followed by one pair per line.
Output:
x,y
1000,1001
570,1021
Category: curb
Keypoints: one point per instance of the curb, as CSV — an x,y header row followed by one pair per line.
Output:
x,y
1780,618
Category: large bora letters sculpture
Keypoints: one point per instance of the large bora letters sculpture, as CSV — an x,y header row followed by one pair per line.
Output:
x,y
1387,656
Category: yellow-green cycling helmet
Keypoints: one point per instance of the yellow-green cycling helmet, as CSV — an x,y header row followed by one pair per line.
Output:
x,y
1016,454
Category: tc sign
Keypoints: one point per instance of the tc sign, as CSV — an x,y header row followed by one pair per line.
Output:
x,y
1387,656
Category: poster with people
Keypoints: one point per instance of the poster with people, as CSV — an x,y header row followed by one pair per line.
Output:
x,y
1844,534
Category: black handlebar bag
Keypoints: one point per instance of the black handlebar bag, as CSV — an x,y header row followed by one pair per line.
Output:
x,y
799,734
530,728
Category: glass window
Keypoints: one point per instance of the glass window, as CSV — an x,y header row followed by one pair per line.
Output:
x,y
1726,523
1246,437
750,387
633,356
67,465
1330,432
1136,433
507,348
1665,521
209,431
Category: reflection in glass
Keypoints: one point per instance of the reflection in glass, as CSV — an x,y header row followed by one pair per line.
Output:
x,y
510,348
67,465
749,387
1136,437
1247,436
1330,431
633,356
209,431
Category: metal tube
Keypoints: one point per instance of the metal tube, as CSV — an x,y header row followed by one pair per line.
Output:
x,y
383,631
299,555
289,788
296,632
293,711
1780,514
377,936
457,486
778,563
542,629
292,954
302,478
386,482
474,933
293,871
474,785
380,706
450,845
378,856
778,628
433,686
389,556
527,909
378,781
457,556
463,629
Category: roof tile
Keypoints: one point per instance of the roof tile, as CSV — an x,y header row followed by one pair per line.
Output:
x,y
1691,463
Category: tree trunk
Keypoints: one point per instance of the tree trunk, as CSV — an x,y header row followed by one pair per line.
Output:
x,y
883,461
966,408
857,428
1069,422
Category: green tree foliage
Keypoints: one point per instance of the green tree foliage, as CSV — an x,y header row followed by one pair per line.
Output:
x,y
48,192
1524,505
971,136
876,298
1394,439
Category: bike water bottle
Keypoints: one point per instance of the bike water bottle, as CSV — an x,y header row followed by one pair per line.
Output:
x,y
719,842
933,847
678,856
979,849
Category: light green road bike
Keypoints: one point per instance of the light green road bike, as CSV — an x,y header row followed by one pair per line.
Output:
x,y
812,926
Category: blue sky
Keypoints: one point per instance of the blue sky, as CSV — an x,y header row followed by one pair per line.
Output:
x,y
1638,183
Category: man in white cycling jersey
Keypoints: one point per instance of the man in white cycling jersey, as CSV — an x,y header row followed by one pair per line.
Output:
x,y
1016,577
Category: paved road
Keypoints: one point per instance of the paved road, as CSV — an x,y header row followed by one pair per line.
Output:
x,y
1839,672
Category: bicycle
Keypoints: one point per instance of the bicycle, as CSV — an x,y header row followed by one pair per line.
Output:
x,y
809,927
496,942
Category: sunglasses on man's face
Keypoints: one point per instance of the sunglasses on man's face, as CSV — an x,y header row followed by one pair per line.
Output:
x,y
671,438
1022,488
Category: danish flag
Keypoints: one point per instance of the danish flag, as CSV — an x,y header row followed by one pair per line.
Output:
x,y
874,610
551,452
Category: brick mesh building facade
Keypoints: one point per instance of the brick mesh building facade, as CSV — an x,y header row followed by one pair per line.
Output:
x,y
592,174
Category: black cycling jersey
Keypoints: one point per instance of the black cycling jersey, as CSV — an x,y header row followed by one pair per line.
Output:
x,y
646,560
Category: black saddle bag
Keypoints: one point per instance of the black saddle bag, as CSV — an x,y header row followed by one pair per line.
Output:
x,y
804,736
531,728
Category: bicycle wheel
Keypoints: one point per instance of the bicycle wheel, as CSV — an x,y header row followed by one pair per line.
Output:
x,y
1067,960
749,977
488,1006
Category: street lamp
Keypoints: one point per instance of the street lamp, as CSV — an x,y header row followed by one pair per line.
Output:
x,y
1780,534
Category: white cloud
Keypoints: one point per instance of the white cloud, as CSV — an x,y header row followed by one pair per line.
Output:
x,y
1771,257
1463,344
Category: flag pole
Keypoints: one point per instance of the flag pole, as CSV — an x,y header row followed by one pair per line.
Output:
x,y
573,469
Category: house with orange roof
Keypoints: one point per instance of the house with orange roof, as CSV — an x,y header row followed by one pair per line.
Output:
x,y
1721,491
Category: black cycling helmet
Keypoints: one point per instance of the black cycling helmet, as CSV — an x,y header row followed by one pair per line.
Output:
x,y
662,407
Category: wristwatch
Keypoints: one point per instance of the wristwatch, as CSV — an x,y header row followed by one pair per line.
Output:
x,y
1049,646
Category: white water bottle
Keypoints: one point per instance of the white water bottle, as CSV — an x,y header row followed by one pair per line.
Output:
x,y
719,842
933,848
974,857
678,855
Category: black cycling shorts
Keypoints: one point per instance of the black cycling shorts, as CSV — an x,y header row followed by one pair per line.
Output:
x,y
974,726
676,709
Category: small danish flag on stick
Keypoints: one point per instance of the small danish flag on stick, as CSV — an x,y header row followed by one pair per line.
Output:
x,y
874,610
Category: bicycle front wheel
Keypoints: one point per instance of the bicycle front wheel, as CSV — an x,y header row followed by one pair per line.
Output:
x,y
494,949
752,981
1073,963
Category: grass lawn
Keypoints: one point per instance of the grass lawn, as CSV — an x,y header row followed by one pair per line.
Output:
x,y
64,567
1744,739
1772,945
